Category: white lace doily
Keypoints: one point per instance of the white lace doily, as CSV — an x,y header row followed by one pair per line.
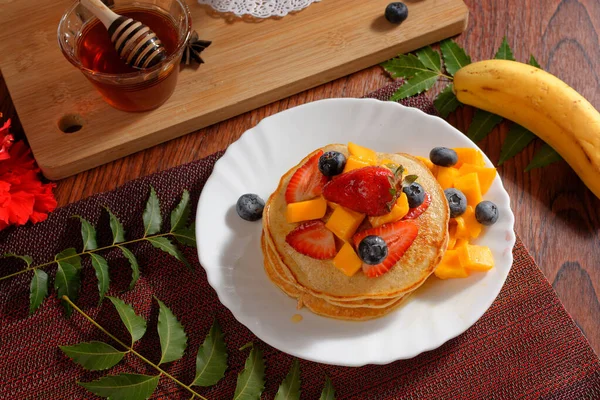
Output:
x,y
258,8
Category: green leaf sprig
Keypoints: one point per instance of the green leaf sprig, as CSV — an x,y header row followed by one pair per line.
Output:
x,y
423,69
67,280
211,360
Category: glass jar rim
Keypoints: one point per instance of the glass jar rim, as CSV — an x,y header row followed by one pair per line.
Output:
x,y
136,74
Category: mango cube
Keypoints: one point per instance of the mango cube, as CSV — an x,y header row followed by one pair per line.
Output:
x,y
363,153
333,205
347,261
472,226
486,175
451,235
469,156
306,210
450,267
446,176
355,163
475,258
469,185
460,243
461,228
343,222
425,161
398,212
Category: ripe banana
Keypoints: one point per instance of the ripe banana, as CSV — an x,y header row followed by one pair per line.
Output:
x,y
541,103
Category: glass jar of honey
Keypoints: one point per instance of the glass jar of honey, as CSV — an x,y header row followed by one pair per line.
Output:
x,y
85,42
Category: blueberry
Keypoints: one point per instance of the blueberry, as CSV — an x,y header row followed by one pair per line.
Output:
x,y
415,194
372,250
443,156
486,213
396,12
332,163
250,207
457,202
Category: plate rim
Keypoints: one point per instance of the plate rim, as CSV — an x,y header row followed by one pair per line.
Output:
x,y
376,360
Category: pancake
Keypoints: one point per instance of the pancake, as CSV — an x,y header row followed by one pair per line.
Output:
x,y
292,289
320,306
322,280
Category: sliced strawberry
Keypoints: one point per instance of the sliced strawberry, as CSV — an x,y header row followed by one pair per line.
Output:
x,y
307,182
366,190
313,239
415,212
398,237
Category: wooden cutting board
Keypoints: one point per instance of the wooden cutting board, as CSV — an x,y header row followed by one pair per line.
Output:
x,y
248,65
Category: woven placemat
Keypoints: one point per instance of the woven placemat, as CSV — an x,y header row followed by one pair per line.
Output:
x,y
525,345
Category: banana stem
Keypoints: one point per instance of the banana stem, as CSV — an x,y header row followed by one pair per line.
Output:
x,y
131,350
84,252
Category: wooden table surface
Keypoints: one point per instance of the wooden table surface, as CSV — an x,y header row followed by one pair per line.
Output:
x,y
557,217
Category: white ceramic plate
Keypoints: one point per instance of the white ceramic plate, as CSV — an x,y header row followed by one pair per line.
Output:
x,y
229,247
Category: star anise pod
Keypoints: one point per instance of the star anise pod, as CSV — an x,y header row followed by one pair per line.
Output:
x,y
193,48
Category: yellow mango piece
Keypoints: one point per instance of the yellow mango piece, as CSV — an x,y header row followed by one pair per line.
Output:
x,y
343,222
451,235
476,258
306,210
469,185
450,267
472,226
363,153
446,176
398,212
486,175
332,205
355,163
469,156
387,161
461,228
426,161
347,261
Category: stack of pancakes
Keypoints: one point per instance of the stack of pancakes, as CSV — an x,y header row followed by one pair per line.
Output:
x,y
327,291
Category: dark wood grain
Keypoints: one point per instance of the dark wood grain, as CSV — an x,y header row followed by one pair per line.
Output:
x,y
557,217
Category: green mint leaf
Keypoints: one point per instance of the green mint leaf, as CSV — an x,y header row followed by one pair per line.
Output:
x,y
136,325
211,361
546,155
94,356
504,52
482,124
454,56
135,268
446,102
290,387
123,386
88,234
28,260
181,213
251,381
399,171
328,392
67,283
516,140
409,180
173,339
69,256
430,58
165,245
533,61
404,66
116,227
101,267
422,81
38,289
152,217
186,236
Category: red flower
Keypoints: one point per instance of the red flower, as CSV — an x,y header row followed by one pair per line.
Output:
x,y
23,197
5,140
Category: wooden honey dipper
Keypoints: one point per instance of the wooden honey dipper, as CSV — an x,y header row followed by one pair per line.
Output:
x,y
137,45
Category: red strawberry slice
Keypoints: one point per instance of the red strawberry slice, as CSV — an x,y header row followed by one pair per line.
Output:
x,y
398,237
307,182
415,212
313,239
364,190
